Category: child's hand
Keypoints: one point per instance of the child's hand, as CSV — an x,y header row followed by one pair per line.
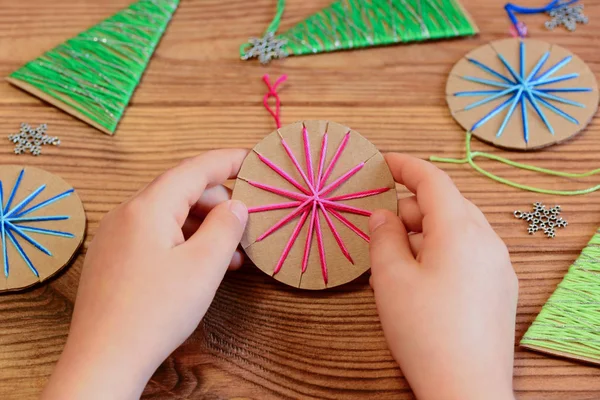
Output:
x,y
144,288
447,293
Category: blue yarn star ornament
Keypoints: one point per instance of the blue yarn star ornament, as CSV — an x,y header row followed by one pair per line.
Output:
x,y
523,89
16,222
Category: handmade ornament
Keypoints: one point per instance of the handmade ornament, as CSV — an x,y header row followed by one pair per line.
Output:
x,y
522,94
42,224
310,188
541,218
352,24
31,140
94,75
567,16
568,324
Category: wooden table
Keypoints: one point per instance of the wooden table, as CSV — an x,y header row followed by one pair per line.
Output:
x,y
261,339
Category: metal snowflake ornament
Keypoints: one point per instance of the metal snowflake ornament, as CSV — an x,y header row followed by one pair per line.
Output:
x,y
31,140
567,16
267,48
542,218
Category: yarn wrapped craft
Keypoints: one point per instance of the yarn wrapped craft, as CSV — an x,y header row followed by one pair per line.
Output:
x,y
310,187
93,75
568,325
353,24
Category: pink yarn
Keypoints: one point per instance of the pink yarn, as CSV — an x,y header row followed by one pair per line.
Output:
x,y
290,243
359,195
336,157
335,233
270,207
284,220
520,30
350,225
273,93
282,173
334,185
281,192
321,248
309,235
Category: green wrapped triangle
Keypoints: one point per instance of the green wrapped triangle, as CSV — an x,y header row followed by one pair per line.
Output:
x,y
569,323
351,24
93,75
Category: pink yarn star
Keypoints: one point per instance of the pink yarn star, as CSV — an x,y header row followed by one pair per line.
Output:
x,y
312,199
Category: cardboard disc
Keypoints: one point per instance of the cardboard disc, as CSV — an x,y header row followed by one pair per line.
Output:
x,y
567,102
373,177
42,224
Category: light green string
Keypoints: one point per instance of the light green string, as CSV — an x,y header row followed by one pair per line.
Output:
x,y
97,71
274,25
349,24
272,28
569,321
470,159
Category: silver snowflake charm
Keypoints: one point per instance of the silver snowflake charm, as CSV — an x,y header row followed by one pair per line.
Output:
x,y
31,140
542,218
567,16
266,48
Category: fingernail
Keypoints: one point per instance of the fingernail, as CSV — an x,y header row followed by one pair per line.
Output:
x,y
240,210
377,219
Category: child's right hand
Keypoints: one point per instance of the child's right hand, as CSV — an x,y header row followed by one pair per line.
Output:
x,y
446,293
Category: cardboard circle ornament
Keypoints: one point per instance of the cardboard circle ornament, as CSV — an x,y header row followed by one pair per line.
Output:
x,y
522,94
42,224
310,187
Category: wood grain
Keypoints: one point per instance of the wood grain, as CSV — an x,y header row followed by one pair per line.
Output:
x,y
261,339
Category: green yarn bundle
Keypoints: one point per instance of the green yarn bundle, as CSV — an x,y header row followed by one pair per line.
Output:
x,y
93,75
351,24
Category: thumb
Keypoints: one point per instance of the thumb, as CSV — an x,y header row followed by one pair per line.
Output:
x,y
216,240
389,245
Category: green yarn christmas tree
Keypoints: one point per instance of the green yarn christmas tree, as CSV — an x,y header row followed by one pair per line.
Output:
x,y
351,24
93,75
569,323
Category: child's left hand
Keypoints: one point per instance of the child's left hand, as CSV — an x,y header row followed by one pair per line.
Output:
x,y
149,276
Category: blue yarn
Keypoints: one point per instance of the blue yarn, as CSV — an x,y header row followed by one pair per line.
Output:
x,y
512,9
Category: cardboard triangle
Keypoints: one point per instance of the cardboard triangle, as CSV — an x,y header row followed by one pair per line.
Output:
x,y
93,75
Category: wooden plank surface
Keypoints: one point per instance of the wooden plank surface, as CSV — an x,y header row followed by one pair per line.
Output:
x,y
261,339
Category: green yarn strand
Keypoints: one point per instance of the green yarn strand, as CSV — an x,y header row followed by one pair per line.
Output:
x,y
96,72
470,159
569,323
274,25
